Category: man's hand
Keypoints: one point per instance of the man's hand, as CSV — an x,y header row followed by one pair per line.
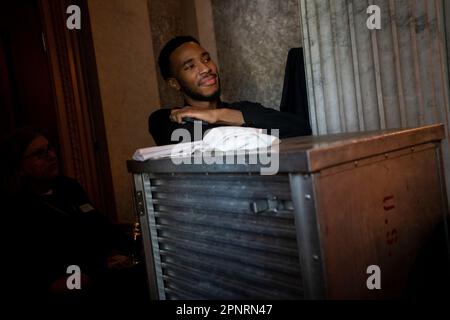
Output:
x,y
206,114
213,116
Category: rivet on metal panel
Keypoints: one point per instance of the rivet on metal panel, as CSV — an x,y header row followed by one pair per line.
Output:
x,y
355,163
315,257
307,196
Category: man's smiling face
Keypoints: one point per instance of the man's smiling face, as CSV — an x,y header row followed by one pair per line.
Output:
x,y
194,72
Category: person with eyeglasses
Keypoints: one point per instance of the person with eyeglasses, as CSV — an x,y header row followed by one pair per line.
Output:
x,y
51,225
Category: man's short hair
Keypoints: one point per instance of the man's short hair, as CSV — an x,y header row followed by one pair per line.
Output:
x,y
171,46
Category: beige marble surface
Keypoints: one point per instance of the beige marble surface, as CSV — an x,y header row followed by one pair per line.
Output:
x,y
253,39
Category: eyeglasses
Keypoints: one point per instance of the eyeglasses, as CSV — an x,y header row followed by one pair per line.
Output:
x,y
41,153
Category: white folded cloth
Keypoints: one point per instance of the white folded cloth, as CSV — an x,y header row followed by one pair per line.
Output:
x,y
225,139
180,149
230,138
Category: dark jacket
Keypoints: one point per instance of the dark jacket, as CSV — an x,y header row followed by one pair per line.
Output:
x,y
255,115
48,233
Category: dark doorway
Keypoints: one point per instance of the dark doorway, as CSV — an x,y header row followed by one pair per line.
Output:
x,y
48,80
26,94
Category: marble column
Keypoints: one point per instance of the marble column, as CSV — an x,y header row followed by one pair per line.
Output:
x,y
166,22
253,39
170,18
361,79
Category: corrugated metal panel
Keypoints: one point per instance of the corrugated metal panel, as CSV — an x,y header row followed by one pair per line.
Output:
x,y
224,236
361,79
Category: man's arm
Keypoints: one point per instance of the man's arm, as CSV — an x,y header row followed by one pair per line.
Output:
x,y
164,121
255,115
223,116
248,114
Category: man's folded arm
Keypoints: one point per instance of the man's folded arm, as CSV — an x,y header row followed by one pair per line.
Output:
x,y
290,125
253,114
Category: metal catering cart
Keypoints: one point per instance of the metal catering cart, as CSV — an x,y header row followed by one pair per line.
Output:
x,y
338,205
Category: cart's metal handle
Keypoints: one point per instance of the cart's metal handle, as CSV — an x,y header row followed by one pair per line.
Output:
x,y
270,205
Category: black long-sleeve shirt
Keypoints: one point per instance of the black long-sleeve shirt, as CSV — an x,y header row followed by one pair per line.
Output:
x,y
255,115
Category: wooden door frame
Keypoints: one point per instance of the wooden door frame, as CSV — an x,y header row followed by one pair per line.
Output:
x,y
81,128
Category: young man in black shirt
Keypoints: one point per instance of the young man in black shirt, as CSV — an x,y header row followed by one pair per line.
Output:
x,y
189,69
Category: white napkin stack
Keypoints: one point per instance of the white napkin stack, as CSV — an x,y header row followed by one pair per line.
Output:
x,y
224,139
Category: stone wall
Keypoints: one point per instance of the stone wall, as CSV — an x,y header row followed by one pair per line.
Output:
x,y
253,39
